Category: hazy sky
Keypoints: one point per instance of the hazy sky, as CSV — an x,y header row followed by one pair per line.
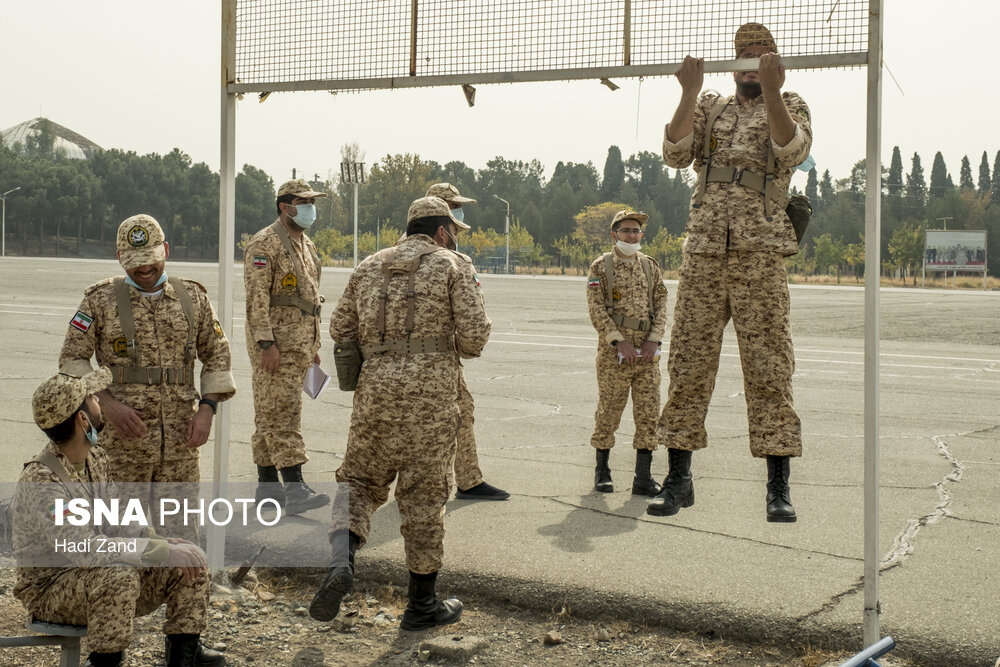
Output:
x,y
144,76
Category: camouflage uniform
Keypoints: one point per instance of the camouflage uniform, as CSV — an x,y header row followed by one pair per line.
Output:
x,y
734,268
86,588
615,380
161,334
406,414
269,270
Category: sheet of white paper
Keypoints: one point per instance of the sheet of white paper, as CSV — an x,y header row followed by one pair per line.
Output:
x,y
316,381
656,355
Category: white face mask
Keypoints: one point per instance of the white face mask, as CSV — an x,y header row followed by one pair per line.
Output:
x,y
459,214
305,215
627,248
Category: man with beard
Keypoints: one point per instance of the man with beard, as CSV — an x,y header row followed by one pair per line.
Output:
x,y
744,149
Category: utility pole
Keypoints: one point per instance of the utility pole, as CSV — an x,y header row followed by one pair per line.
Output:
x,y
944,221
3,224
506,231
354,173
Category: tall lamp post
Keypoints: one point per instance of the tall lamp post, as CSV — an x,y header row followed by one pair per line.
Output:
x,y
3,224
354,173
506,231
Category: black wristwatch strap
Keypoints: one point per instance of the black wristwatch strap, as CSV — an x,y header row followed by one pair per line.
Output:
x,y
265,344
210,403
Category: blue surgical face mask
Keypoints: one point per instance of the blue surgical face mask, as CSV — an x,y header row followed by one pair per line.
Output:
x,y
163,279
305,216
91,432
458,214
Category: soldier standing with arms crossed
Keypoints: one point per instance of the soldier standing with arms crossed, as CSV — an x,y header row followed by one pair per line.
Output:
x,y
415,309
468,476
281,272
148,329
627,301
744,149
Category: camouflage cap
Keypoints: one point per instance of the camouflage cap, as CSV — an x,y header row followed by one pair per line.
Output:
x,y
140,242
59,397
753,34
627,214
449,193
428,207
299,188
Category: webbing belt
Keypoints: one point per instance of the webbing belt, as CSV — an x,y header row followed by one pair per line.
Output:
x,y
748,179
152,375
307,307
631,322
408,346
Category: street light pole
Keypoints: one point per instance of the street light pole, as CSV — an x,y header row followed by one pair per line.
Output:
x,y
506,231
354,173
3,222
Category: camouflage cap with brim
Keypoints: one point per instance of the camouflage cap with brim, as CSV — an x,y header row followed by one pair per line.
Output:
x,y
140,242
753,34
58,398
627,214
449,193
298,188
429,207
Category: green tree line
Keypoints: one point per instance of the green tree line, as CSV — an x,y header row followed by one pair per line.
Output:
x,y
81,202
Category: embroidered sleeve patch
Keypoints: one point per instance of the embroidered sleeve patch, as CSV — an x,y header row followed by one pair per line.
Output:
x,y
82,321
475,276
260,260
594,282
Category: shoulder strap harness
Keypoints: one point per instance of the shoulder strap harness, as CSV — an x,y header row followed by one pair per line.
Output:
x,y
609,302
751,180
135,374
306,306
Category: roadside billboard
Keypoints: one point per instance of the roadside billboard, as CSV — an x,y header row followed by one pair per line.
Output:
x,y
946,250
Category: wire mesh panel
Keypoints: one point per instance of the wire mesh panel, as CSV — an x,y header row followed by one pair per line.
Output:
x,y
386,43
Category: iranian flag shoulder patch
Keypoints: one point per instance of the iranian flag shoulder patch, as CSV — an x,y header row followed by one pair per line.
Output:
x,y
594,282
81,321
260,260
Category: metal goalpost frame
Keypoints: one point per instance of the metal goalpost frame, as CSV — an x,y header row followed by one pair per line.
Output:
x,y
404,47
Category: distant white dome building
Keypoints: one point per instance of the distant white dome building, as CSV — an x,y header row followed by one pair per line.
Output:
x,y
74,145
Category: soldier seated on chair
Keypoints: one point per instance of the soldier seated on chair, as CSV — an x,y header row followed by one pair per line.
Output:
x,y
99,576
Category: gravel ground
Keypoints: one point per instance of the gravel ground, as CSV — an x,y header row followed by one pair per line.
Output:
x,y
265,622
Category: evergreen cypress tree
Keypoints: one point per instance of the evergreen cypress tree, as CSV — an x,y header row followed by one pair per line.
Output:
x,y
984,176
965,174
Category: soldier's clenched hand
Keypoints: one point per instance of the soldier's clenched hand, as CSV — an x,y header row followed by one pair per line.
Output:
x,y
648,351
127,421
270,359
691,74
771,72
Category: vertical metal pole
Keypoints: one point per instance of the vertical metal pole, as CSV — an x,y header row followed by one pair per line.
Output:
x,y
413,42
506,227
227,242
873,262
3,229
355,224
627,35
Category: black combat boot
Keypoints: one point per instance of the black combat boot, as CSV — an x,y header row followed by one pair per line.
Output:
x,y
298,496
779,501
678,489
268,485
644,484
338,581
602,473
104,659
424,609
186,650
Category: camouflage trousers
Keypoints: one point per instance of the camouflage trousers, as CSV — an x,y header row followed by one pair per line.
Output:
x,y
106,599
751,289
175,479
418,456
467,472
614,383
277,403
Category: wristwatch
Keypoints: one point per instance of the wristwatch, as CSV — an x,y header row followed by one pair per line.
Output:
x,y
210,403
265,344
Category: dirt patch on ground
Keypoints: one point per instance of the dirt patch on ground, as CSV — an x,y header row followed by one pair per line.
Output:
x,y
265,622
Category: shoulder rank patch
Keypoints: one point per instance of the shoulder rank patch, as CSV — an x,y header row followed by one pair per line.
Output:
x,y
82,321
594,282
289,281
120,346
616,295
217,328
260,261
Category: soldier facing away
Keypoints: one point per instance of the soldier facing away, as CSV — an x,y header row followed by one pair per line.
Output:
x,y
125,571
281,272
415,309
627,301
149,329
468,476
744,149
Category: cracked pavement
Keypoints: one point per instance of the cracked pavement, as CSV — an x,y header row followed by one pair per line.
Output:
x,y
717,567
